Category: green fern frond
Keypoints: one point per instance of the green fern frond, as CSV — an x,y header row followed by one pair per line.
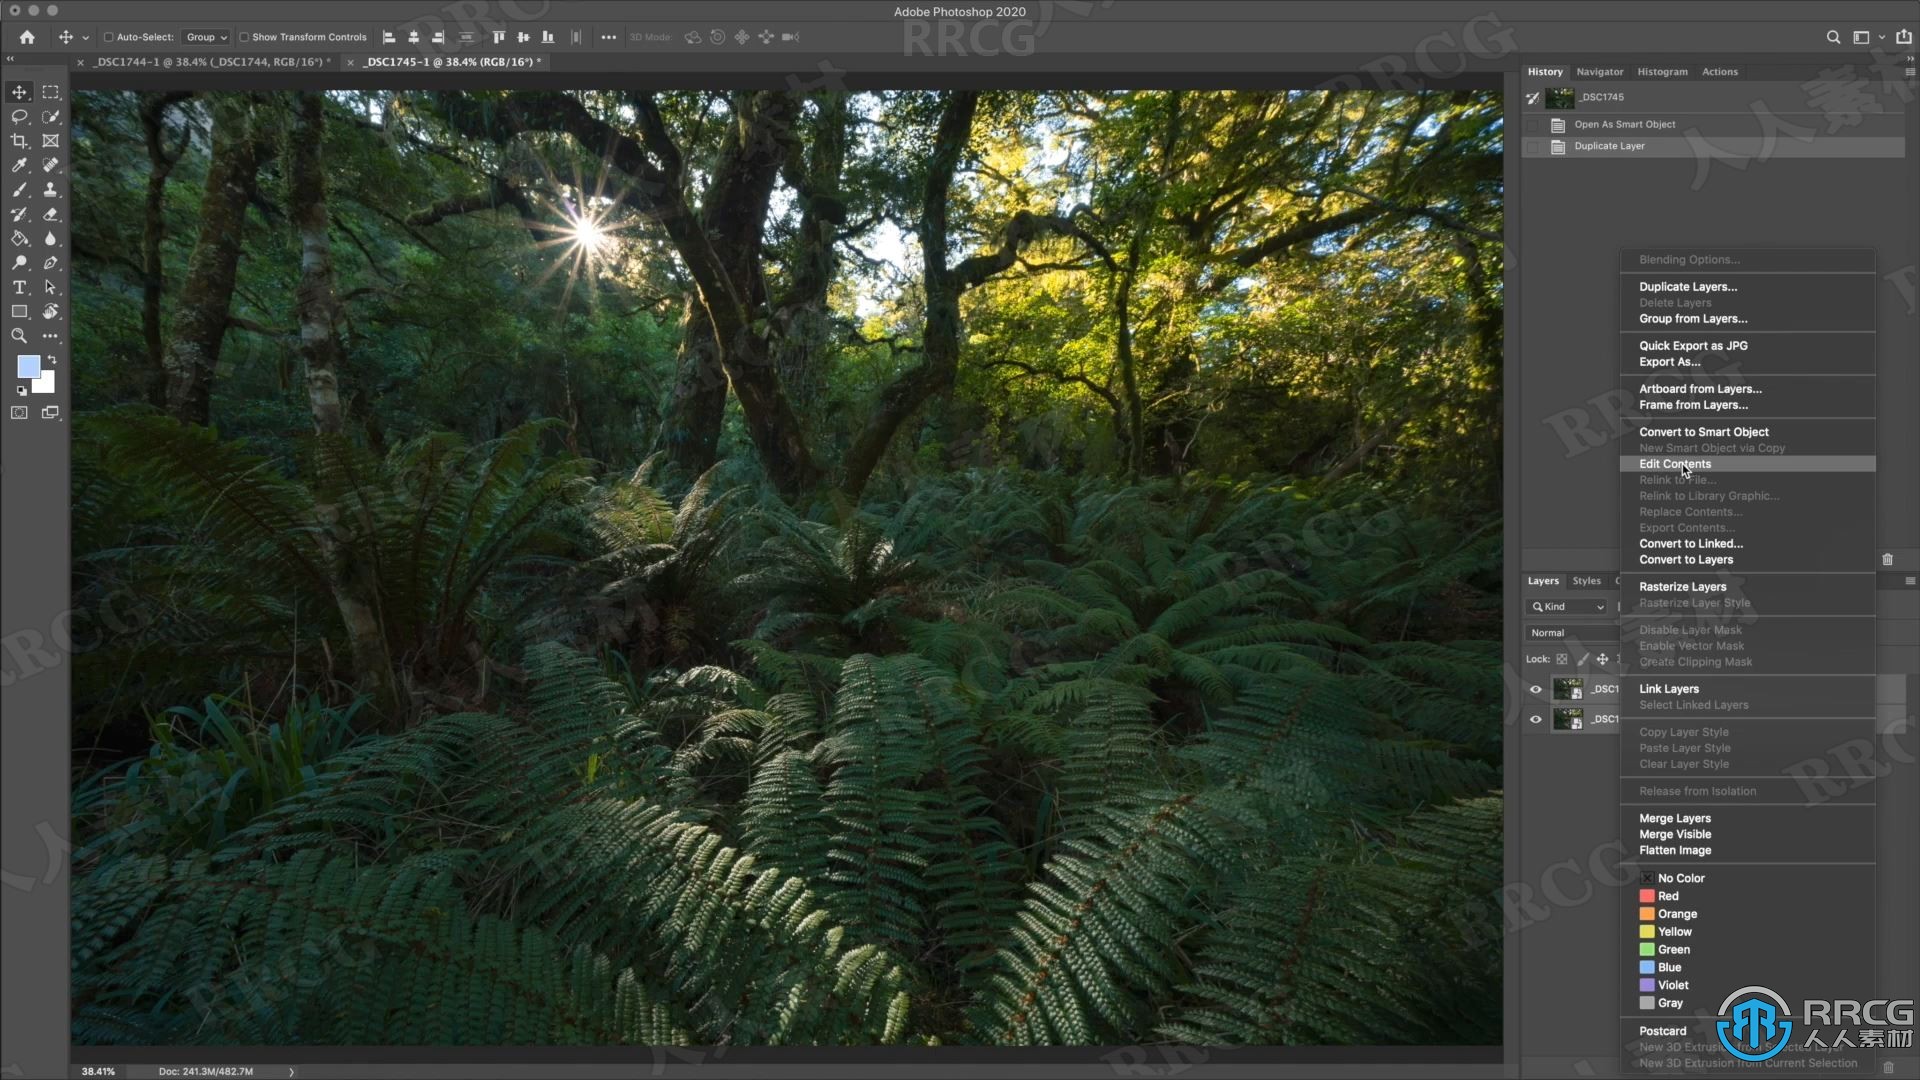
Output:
x,y
1371,950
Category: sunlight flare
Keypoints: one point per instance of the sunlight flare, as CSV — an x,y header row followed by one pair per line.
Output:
x,y
588,236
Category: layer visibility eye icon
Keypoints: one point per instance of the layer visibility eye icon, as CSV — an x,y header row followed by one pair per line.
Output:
x,y
1756,1026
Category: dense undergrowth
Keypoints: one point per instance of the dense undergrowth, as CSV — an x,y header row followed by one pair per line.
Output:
x,y
1012,759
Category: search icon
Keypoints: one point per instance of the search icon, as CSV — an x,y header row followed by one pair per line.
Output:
x,y
1833,36
1537,605
19,335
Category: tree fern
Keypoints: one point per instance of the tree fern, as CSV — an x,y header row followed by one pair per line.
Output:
x,y
1095,941
829,587
656,585
1355,948
1109,746
426,532
878,858
784,819
318,950
746,946
1095,944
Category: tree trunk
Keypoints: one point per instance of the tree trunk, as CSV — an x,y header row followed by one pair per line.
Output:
x,y
690,433
803,330
1146,215
317,308
734,219
153,112
1123,345
720,347
940,347
944,285
1163,441
720,245
1172,429
727,277
206,295
1484,312
1360,453
1488,317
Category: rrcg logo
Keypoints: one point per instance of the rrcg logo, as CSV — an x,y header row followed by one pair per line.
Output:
x,y
984,37
1756,1027
1756,1023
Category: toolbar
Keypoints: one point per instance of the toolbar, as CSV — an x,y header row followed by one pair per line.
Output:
x,y
34,215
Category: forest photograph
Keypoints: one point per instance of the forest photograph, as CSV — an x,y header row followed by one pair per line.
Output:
x,y
749,568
